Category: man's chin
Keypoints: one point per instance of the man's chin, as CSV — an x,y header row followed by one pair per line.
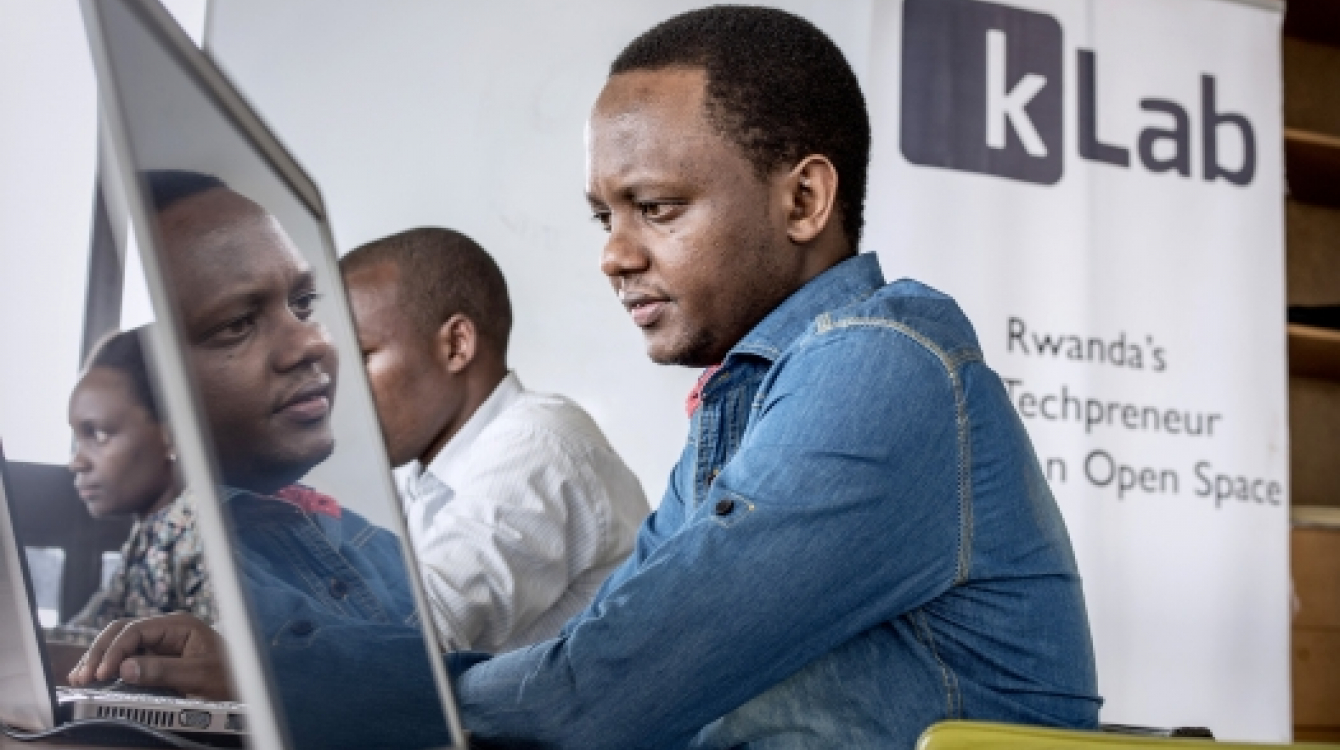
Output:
x,y
682,351
316,452
291,464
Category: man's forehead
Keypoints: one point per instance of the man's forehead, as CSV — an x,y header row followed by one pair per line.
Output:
x,y
222,222
374,291
207,211
649,123
215,259
674,88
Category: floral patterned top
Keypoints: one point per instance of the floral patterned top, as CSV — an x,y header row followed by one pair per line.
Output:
x,y
162,571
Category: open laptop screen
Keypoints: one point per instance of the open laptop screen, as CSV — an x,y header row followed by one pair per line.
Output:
x,y
260,368
25,697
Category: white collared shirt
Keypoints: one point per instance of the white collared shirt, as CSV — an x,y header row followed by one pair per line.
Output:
x,y
518,520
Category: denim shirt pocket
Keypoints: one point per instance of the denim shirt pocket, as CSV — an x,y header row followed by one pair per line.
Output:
x,y
296,634
730,509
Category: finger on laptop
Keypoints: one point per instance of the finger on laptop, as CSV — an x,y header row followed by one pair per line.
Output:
x,y
176,634
178,651
197,677
86,670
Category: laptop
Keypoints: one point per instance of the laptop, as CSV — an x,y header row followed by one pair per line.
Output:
x,y
166,107
30,701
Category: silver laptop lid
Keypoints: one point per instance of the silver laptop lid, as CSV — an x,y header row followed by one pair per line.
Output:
x,y
167,108
26,697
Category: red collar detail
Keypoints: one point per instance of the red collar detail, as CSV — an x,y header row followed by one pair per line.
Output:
x,y
309,500
695,398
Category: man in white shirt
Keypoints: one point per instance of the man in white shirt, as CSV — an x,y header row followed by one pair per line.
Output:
x,y
517,506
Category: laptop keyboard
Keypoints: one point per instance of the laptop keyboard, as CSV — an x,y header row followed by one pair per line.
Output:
x,y
123,694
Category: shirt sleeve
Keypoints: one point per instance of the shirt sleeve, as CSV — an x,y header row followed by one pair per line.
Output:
x,y
655,529
345,681
840,510
529,514
190,576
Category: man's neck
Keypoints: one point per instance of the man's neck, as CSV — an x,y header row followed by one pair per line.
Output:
x,y
479,386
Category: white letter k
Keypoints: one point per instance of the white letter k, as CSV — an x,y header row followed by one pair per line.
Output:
x,y
1002,105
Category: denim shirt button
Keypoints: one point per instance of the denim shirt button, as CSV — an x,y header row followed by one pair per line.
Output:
x,y
301,628
338,588
724,506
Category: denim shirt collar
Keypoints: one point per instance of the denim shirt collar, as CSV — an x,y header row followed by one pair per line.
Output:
x,y
849,281
251,507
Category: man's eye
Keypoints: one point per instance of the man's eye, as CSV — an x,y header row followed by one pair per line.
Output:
x,y
100,437
235,329
602,218
658,210
303,304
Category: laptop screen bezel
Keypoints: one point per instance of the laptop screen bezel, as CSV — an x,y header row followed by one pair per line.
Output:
x,y
168,356
38,665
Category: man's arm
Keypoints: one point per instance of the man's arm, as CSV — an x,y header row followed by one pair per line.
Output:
x,y
340,682
663,522
841,510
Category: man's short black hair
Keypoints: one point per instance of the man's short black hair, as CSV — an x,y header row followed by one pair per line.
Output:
x,y
123,351
442,273
167,186
776,85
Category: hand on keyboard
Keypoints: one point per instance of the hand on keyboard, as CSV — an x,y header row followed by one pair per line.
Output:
x,y
177,651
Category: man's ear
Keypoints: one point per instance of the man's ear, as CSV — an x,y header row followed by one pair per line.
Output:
x,y
811,196
457,343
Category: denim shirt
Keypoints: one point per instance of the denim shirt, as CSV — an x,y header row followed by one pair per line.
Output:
x,y
857,542
332,600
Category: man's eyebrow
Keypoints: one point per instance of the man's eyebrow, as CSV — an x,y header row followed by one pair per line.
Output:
x,y
305,278
250,293
594,202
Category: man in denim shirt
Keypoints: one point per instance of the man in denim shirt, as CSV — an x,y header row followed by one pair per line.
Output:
x,y
857,540
329,591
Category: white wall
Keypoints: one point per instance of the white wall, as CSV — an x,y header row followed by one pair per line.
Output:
x,y
48,146
471,117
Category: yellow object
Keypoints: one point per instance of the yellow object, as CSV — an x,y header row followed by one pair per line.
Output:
x,y
980,735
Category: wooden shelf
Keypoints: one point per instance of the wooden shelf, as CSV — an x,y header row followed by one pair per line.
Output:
x,y
1312,166
1314,352
1313,20
1315,516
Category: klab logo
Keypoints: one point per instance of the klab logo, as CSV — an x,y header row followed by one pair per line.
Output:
x,y
982,92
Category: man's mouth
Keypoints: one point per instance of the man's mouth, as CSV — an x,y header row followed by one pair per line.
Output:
x,y
309,403
645,309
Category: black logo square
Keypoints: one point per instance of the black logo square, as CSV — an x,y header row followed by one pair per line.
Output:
x,y
982,89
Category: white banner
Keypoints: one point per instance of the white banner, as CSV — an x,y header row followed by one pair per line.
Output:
x,y
1099,185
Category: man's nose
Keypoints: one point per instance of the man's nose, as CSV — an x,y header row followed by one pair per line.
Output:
x,y
79,462
303,342
623,254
